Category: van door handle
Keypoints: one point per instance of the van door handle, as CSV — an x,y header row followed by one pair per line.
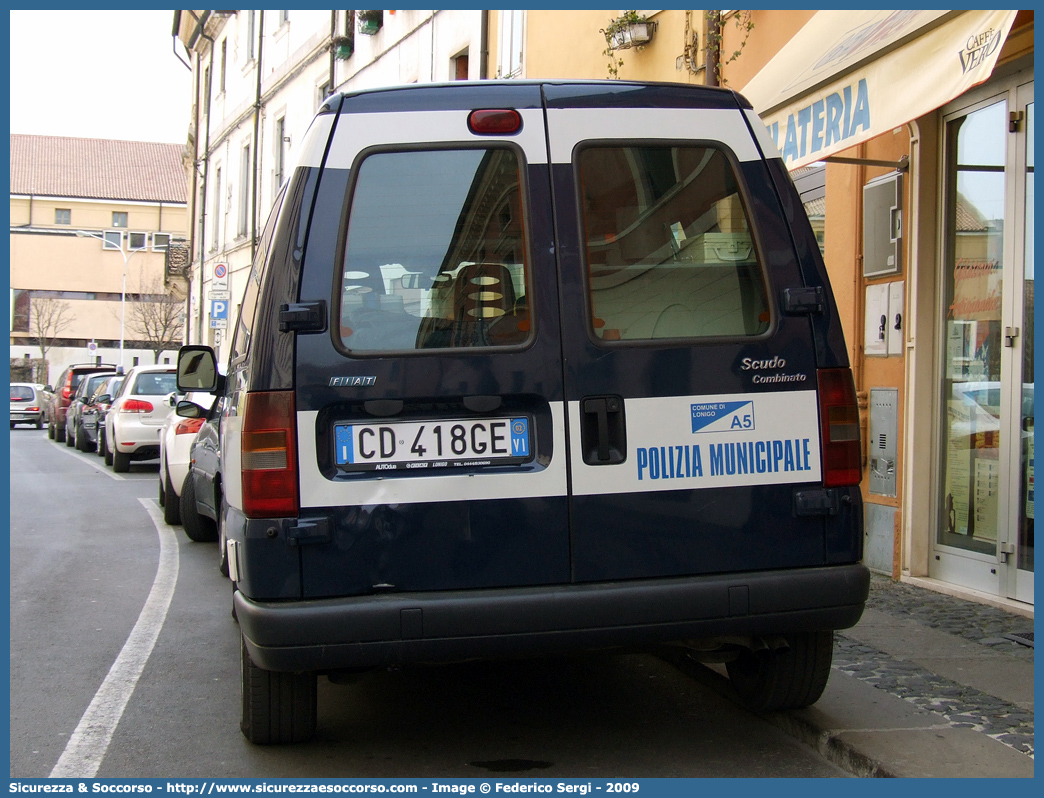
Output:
x,y
603,430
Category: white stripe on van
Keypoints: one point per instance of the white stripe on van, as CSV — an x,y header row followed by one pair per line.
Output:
x,y
310,153
761,133
569,126
693,442
318,491
355,132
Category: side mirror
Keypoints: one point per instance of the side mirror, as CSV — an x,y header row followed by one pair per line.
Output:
x,y
187,409
49,389
197,369
104,399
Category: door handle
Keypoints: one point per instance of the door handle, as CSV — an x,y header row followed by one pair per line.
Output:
x,y
603,430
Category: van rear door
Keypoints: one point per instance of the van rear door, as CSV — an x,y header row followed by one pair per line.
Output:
x,y
692,404
430,413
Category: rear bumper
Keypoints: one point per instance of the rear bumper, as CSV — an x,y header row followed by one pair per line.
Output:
x,y
370,631
21,417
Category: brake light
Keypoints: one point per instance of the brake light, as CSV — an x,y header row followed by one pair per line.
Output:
x,y
188,426
495,122
839,420
33,409
269,464
135,406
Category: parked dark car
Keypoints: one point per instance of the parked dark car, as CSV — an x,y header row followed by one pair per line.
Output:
x,y
75,435
93,416
64,389
202,489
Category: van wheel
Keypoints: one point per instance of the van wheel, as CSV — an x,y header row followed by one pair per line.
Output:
x,y
788,678
222,542
171,506
277,707
198,528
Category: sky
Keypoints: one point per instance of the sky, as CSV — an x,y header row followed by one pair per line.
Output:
x,y
99,74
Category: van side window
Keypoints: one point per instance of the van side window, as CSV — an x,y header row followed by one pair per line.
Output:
x,y
245,321
436,252
669,246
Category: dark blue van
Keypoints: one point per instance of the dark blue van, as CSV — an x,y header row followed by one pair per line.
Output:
x,y
526,367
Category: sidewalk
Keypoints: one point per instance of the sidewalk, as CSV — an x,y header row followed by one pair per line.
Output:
x,y
925,685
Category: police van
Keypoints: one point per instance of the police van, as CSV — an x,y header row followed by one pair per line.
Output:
x,y
531,367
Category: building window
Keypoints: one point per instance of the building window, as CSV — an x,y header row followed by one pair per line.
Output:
x,y
224,64
119,219
279,145
322,92
136,241
284,17
160,242
251,28
510,44
460,66
810,181
216,215
244,191
62,216
113,239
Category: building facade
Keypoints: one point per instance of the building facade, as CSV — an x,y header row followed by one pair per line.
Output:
x,y
910,137
259,78
91,224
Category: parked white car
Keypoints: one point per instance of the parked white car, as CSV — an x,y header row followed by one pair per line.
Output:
x,y
133,423
176,437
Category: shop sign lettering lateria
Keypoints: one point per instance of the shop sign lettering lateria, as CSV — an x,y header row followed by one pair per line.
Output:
x,y
833,86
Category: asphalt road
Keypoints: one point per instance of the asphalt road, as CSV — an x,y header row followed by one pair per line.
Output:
x,y
85,551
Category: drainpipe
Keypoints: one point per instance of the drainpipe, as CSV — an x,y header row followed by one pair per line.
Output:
x,y
333,35
200,31
484,47
257,137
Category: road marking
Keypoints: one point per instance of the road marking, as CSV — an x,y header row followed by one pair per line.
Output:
x,y
85,459
89,742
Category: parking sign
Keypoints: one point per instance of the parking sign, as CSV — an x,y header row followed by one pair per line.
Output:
x,y
220,281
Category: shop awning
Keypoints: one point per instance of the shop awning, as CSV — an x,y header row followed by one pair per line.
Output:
x,y
848,76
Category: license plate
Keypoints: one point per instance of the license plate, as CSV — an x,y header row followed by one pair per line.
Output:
x,y
420,445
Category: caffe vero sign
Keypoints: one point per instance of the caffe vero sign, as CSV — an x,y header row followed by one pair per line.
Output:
x,y
849,76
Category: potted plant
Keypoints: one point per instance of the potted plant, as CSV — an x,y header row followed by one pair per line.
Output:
x,y
630,29
370,21
343,47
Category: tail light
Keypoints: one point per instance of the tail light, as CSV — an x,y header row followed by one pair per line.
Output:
x,y
67,389
839,419
136,406
188,426
269,463
32,409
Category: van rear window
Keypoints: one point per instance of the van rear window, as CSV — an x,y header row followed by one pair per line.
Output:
x,y
436,252
669,247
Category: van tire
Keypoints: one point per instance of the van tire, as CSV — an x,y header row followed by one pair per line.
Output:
x,y
120,461
171,503
277,707
198,528
791,678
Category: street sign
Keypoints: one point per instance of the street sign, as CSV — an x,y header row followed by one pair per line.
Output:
x,y
223,295
219,324
220,281
219,309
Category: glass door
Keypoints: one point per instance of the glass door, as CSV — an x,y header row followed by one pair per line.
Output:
x,y
1020,580
984,532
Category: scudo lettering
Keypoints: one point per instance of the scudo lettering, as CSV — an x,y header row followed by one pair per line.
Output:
x,y
750,364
